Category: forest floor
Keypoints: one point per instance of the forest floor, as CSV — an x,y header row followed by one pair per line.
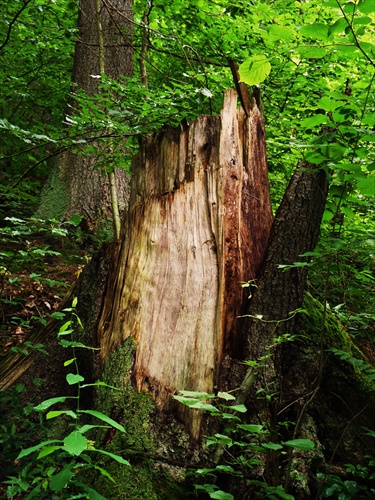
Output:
x,y
36,273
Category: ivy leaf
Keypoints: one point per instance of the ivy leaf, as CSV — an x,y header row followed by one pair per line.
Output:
x,y
254,70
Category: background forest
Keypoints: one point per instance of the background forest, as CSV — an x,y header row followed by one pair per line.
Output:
x,y
314,62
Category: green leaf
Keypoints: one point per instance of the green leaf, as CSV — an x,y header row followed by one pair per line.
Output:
x,y
311,52
367,186
221,495
239,408
226,396
104,418
316,30
196,394
49,402
74,378
69,361
47,451
328,104
62,478
272,446
254,70
75,443
30,450
118,459
300,444
203,406
277,32
253,428
366,6
316,120
56,413
185,400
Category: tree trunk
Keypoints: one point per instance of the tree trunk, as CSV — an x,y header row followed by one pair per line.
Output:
x,y
197,228
75,187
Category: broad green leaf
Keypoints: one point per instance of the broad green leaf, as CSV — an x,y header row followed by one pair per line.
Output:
x,y
367,186
277,32
196,394
221,495
272,446
311,52
104,418
327,103
226,396
337,27
366,6
300,444
254,70
254,428
225,468
49,402
317,30
56,413
316,120
185,400
74,378
28,451
203,406
62,478
75,443
47,451
239,408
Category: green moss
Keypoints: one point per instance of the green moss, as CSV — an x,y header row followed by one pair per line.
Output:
x,y
54,198
134,410
331,334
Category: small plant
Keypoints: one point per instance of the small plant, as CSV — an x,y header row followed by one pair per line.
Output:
x,y
57,465
241,445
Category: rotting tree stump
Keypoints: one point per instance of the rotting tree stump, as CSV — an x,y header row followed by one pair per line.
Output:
x,y
197,228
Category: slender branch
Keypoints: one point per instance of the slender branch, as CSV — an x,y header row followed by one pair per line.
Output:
x,y
354,35
7,37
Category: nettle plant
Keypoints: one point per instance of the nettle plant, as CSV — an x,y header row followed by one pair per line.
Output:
x,y
54,468
241,445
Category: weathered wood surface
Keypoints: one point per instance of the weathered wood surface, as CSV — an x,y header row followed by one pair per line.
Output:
x,y
197,228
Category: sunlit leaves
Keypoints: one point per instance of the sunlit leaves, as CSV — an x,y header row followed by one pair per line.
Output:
x,y
255,69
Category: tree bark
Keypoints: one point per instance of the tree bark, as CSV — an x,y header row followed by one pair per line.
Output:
x,y
75,187
197,228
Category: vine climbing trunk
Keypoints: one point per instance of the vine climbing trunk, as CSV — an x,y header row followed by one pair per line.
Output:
x,y
75,185
197,228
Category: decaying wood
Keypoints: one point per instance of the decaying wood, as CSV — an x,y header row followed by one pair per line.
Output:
x,y
197,228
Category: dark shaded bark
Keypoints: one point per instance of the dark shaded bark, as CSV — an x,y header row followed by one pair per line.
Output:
x,y
75,186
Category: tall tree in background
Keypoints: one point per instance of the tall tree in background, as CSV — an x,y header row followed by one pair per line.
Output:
x,y
78,184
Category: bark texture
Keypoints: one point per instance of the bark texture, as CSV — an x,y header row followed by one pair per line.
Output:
x,y
197,228
74,187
